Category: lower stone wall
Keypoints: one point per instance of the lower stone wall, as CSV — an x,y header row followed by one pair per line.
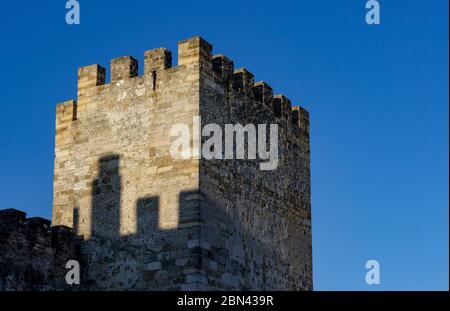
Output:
x,y
168,262
33,255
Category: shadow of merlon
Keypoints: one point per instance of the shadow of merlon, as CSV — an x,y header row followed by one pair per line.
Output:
x,y
106,192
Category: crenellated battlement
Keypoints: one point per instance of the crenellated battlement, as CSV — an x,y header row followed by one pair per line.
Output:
x,y
125,67
243,80
193,51
224,67
300,118
263,92
156,60
90,76
190,51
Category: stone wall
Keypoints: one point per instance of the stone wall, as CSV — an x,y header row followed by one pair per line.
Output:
x,y
115,178
33,255
147,221
256,224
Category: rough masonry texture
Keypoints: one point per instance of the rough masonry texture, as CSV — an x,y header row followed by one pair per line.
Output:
x,y
138,219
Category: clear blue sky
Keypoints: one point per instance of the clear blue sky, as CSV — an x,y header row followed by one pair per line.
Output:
x,y
377,95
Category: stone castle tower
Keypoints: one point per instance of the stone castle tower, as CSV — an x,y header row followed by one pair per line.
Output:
x,y
150,221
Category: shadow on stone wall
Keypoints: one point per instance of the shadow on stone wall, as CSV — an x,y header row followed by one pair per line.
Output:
x,y
174,259
140,261
105,204
229,255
